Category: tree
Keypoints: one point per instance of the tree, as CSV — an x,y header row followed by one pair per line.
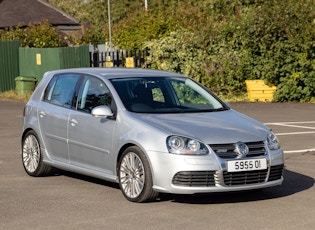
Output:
x,y
221,43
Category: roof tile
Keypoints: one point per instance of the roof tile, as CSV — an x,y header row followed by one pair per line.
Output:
x,y
24,12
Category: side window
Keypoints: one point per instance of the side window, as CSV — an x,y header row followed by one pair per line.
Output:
x,y
93,93
60,90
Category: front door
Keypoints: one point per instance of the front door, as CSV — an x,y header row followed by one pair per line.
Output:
x,y
90,138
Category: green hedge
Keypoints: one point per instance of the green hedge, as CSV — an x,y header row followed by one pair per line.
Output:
x,y
220,43
270,40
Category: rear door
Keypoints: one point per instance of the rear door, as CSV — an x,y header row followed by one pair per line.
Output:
x,y
53,115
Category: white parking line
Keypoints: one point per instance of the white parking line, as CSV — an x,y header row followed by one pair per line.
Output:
x,y
288,125
299,151
294,133
291,122
295,124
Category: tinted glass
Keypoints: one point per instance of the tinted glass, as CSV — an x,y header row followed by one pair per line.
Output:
x,y
93,93
60,90
165,95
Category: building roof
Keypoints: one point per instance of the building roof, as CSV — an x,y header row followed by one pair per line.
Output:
x,y
24,12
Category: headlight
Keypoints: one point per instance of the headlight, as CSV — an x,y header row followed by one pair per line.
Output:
x,y
272,141
183,145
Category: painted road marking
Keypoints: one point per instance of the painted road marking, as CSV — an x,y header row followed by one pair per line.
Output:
x,y
295,124
288,124
295,133
292,122
299,151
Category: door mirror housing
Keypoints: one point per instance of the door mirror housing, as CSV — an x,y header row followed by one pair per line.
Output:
x,y
102,111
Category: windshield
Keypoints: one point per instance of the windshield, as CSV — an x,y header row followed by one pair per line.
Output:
x,y
165,95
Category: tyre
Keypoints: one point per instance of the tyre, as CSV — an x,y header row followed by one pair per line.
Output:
x,y
135,178
32,157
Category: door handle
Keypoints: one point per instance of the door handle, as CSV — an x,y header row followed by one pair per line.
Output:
x,y
42,114
73,122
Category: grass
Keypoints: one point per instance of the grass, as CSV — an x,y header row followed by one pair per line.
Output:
x,y
235,98
12,95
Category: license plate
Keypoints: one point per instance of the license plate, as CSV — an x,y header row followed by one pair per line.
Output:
x,y
246,165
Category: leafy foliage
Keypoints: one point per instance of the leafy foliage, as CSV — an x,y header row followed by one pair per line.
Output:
x,y
40,36
271,40
220,43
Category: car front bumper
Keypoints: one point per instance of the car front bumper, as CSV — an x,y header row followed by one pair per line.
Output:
x,y
180,174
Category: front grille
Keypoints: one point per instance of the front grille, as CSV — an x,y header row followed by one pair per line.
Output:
x,y
207,178
194,178
243,178
227,150
276,172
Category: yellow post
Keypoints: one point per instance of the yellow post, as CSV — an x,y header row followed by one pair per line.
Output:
x,y
130,62
108,62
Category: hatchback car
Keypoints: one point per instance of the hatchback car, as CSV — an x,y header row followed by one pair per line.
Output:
x,y
150,131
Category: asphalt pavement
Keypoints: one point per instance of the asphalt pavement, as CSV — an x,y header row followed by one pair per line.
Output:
x,y
71,201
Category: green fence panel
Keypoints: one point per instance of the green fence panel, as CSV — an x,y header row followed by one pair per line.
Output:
x,y
9,64
73,57
34,62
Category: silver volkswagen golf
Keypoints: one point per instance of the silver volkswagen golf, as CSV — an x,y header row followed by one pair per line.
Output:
x,y
150,131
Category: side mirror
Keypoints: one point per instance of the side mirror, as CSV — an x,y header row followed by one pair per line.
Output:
x,y
102,111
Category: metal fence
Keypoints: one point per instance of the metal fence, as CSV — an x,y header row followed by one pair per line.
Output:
x,y
9,64
119,58
33,62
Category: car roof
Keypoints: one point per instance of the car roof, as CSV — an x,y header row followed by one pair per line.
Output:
x,y
112,73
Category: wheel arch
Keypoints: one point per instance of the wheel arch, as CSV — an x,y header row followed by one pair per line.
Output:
x,y
121,150
127,145
24,134
42,169
147,194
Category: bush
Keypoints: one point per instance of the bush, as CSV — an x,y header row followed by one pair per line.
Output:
x,y
220,43
41,35
269,40
179,52
296,87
